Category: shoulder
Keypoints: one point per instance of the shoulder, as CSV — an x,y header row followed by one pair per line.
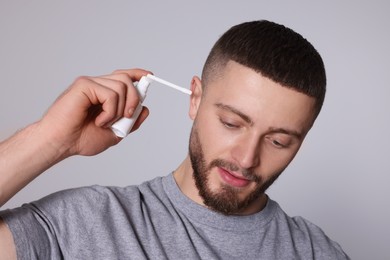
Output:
x,y
85,195
309,237
321,243
97,197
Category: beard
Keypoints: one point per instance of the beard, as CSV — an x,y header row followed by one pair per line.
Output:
x,y
226,200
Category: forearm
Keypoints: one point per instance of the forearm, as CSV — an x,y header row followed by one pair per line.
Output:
x,y
76,124
23,157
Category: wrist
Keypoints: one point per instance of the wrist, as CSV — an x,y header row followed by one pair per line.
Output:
x,y
23,157
51,146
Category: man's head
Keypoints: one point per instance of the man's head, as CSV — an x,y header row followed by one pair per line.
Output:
x,y
262,87
274,51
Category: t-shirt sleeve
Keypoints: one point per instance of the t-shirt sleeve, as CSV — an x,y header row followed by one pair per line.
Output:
x,y
321,245
83,223
32,233
45,228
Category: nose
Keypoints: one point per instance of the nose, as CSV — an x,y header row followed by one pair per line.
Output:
x,y
246,152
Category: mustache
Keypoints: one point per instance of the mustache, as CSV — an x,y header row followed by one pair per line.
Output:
x,y
247,173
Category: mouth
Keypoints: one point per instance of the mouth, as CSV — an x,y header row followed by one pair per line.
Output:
x,y
233,178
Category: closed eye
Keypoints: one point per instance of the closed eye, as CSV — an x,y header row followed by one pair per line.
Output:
x,y
228,124
276,143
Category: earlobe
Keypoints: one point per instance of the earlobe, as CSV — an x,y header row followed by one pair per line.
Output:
x,y
196,96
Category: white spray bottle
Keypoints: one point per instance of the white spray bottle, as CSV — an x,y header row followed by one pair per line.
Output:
x,y
123,126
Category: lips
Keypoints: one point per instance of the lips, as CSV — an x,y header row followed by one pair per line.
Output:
x,y
233,179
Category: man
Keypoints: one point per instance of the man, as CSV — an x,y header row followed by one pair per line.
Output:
x,y
261,90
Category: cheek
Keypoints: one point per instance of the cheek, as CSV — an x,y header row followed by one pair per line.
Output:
x,y
275,161
215,142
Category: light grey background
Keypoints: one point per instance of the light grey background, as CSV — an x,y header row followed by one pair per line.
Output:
x,y
340,178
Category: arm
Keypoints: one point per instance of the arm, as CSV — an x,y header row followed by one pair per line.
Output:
x,y
76,124
7,246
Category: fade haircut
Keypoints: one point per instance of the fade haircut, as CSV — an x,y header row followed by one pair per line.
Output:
x,y
274,51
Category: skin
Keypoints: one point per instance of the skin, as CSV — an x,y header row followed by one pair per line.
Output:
x,y
251,124
76,124
254,125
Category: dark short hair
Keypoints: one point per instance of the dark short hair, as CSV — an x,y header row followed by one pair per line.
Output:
x,y
274,51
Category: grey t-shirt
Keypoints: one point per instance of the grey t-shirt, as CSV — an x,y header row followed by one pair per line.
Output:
x,y
155,220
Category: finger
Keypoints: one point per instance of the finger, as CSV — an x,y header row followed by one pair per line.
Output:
x,y
109,107
121,81
87,95
121,88
134,74
131,98
144,114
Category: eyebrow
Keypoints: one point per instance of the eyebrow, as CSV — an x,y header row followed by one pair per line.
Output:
x,y
235,111
247,119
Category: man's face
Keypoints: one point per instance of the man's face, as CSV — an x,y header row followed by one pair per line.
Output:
x,y
246,130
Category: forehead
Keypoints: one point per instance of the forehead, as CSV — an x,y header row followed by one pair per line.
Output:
x,y
260,98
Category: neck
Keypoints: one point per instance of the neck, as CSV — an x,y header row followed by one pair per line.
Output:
x,y
185,181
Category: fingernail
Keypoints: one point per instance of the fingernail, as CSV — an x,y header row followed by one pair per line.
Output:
x,y
102,124
131,111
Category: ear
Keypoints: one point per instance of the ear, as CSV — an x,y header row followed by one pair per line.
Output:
x,y
196,96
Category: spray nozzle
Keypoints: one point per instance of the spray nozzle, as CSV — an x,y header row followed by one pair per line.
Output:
x,y
123,126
